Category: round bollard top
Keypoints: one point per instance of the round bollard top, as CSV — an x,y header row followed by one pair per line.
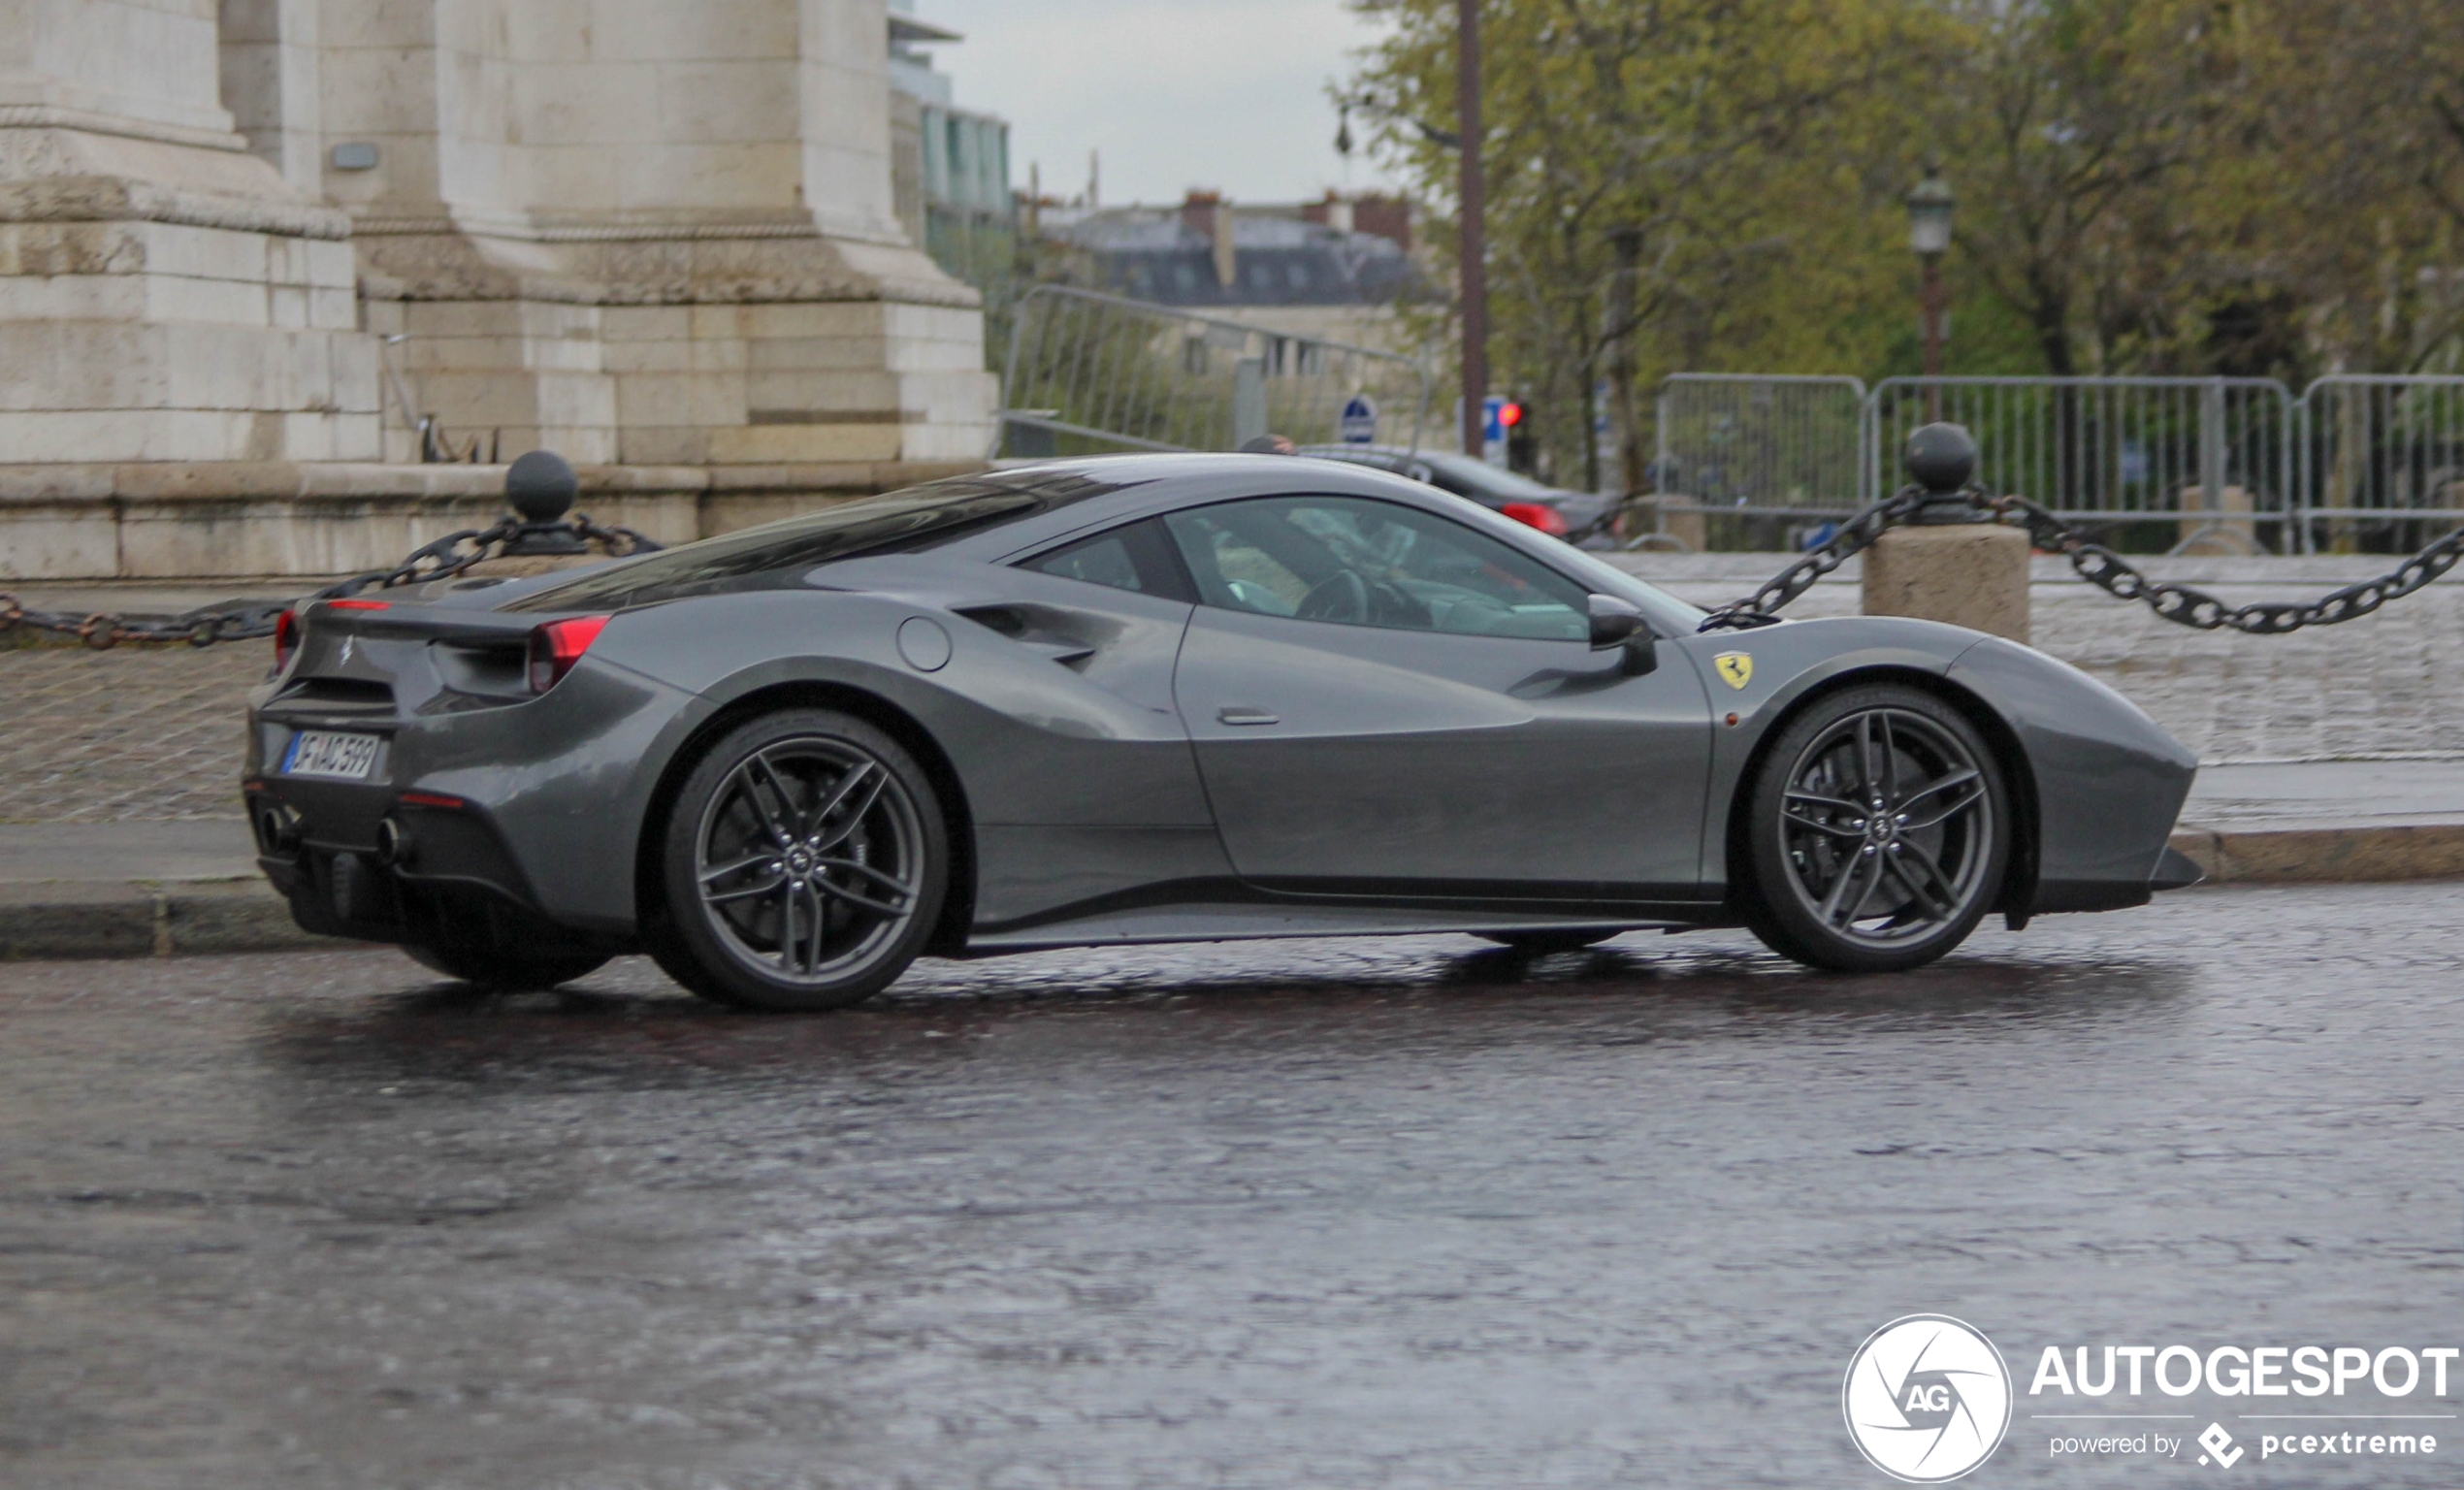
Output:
x,y
1941,457
541,486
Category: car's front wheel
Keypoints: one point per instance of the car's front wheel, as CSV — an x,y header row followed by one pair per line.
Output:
x,y
805,864
1878,832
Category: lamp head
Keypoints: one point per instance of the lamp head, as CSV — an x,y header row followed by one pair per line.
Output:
x,y
1930,215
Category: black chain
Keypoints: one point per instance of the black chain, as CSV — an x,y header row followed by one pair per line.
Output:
x,y
2107,571
247,621
2096,563
1853,538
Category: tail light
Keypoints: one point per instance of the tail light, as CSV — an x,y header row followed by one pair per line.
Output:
x,y
558,645
287,639
1535,514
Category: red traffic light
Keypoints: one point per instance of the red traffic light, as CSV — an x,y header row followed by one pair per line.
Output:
x,y
1509,415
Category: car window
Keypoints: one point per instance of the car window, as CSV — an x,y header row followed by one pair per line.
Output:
x,y
1357,561
778,556
1130,558
1103,559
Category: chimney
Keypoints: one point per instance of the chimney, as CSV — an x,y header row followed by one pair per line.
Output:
x,y
1388,218
1206,214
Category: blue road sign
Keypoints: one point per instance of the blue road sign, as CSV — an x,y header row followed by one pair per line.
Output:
x,y
1358,425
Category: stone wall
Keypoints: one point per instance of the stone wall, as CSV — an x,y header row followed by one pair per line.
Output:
x,y
635,230
153,520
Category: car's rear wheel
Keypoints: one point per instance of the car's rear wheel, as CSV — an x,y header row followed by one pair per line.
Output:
x,y
1877,833
492,968
803,866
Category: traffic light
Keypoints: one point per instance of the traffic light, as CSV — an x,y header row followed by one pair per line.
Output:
x,y
1522,436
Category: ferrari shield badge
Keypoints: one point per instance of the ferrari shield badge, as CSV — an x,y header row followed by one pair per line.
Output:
x,y
1738,668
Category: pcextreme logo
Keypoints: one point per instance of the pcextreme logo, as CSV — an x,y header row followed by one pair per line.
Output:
x,y
1927,1399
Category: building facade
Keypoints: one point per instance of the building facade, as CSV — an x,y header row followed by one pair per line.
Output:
x,y
1333,270
634,231
949,166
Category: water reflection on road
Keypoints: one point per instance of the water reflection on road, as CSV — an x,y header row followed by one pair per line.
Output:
x,y
1364,1212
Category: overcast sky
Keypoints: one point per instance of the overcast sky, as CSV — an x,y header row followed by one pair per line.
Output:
x,y
1175,93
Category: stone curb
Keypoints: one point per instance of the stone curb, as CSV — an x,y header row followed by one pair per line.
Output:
x,y
68,921
73,921
2325,853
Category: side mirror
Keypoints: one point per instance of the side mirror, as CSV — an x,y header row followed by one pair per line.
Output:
x,y
1616,623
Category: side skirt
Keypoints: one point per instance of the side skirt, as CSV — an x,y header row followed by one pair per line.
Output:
x,y
1216,909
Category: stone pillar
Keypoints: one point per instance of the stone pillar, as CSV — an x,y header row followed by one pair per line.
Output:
x,y
270,85
1971,575
164,294
649,232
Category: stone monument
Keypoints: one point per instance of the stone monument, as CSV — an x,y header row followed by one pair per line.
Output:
x,y
249,249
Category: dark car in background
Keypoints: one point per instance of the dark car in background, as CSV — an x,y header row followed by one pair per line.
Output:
x,y
1583,518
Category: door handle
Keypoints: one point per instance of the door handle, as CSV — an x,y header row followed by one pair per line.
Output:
x,y
1243,715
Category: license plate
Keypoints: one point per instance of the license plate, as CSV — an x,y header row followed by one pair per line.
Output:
x,y
330,752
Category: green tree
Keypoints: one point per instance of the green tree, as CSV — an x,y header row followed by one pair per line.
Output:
x,y
1647,165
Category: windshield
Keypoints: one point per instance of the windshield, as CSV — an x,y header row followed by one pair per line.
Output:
x,y
777,555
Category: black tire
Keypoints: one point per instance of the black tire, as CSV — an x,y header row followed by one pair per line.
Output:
x,y
860,869
1834,883
1541,943
491,969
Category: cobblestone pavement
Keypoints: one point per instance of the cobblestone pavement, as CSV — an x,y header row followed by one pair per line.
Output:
x,y
134,732
1329,1214
154,732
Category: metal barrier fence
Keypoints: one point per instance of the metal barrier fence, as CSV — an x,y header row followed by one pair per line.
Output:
x,y
2236,462
1778,445
2381,448
1089,372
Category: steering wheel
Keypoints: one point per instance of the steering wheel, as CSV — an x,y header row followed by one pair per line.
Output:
x,y
1342,596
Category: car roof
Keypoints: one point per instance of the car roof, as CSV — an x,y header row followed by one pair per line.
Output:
x,y
1143,485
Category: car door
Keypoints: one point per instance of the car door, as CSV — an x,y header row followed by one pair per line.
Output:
x,y
1386,700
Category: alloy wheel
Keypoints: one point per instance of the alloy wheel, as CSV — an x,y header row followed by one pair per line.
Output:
x,y
1887,828
809,860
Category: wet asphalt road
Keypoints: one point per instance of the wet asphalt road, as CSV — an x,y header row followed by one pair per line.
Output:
x,y
1327,1214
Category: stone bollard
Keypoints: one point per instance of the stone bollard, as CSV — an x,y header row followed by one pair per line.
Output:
x,y
1971,575
1950,564
2230,528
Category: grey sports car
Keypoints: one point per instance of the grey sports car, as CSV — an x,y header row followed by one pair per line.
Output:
x,y
1163,699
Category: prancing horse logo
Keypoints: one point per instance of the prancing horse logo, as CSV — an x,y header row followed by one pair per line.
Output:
x,y
1736,667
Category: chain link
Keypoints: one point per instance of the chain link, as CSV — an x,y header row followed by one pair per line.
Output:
x,y
2099,565
1853,538
453,554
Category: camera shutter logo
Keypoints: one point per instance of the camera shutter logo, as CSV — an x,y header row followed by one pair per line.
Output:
x,y
1927,1399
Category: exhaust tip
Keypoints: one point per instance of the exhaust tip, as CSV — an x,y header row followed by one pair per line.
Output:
x,y
393,844
278,830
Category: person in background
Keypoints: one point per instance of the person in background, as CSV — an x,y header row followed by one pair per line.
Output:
x,y
1268,445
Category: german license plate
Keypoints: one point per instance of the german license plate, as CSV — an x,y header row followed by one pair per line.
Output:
x,y
332,754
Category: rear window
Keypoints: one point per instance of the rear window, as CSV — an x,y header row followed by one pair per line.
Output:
x,y
776,556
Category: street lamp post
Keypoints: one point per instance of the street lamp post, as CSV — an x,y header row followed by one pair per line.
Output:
x,y
1930,235
1471,248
